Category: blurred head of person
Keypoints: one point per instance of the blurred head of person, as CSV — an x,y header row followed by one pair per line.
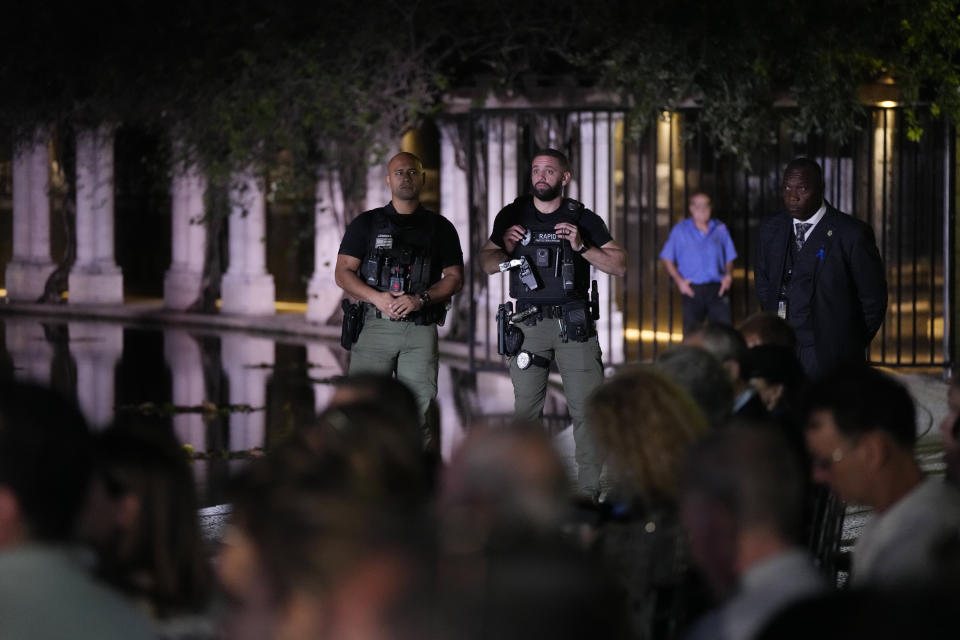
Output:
x,y
726,345
950,431
776,374
645,422
308,555
379,451
742,500
45,465
502,483
381,389
388,393
505,565
701,208
703,377
765,327
860,431
141,518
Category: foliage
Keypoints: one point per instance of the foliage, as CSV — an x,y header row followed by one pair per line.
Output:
x,y
332,81
928,63
740,61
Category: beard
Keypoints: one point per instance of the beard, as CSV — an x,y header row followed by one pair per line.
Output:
x,y
547,193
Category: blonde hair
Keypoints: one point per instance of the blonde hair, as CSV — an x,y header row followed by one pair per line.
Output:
x,y
645,422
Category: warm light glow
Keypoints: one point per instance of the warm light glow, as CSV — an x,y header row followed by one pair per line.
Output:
x,y
937,329
887,104
635,335
65,295
290,307
282,307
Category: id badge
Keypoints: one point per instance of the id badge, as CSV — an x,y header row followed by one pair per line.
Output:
x,y
782,309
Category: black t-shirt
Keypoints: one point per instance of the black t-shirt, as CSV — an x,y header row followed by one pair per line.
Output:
x,y
413,229
592,227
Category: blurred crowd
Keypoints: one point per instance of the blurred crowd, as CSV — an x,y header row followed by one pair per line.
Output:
x,y
726,480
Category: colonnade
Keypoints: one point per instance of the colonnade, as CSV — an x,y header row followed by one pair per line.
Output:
x,y
246,287
96,279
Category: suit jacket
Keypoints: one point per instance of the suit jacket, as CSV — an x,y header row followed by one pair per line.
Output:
x,y
848,295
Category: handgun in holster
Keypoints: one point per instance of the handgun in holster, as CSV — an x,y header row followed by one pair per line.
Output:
x,y
352,323
504,311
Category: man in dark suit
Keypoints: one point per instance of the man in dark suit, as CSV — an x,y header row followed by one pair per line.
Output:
x,y
821,271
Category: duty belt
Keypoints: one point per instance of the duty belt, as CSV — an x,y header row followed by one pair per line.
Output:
x,y
547,311
416,317
372,311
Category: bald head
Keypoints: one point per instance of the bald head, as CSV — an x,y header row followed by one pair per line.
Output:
x,y
404,157
405,177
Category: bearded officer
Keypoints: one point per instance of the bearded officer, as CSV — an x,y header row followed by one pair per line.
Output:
x,y
557,240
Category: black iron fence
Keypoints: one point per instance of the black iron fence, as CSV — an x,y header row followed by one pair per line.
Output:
x,y
500,147
901,188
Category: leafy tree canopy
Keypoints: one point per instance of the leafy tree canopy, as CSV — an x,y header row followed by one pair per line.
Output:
x,y
243,81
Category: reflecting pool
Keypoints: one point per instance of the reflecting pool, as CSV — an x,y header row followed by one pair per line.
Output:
x,y
227,395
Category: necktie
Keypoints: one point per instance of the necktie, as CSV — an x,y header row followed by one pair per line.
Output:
x,y
801,233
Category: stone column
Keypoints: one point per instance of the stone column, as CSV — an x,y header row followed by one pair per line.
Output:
x,y
247,289
184,279
502,168
378,193
96,349
323,366
595,189
323,294
244,358
31,265
95,277
182,354
454,194
29,349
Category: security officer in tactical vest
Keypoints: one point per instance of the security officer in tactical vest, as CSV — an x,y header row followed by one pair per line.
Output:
x,y
548,244
402,263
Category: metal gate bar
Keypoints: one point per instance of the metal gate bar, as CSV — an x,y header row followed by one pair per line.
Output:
x,y
901,188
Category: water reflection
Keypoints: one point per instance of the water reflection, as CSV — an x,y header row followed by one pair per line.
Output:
x,y
228,395
184,359
28,349
96,350
247,362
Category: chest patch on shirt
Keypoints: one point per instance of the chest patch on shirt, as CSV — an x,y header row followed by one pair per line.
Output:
x,y
545,237
384,241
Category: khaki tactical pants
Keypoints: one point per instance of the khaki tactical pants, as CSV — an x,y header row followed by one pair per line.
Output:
x,y
581,371
387,346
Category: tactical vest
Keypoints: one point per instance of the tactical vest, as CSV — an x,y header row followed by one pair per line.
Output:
x,y
390,265
562,273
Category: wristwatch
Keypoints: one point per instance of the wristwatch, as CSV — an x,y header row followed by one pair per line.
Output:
x,y
583,246
424,299
526,358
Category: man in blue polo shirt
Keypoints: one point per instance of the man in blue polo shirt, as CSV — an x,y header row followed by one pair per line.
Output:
x,y
699,257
